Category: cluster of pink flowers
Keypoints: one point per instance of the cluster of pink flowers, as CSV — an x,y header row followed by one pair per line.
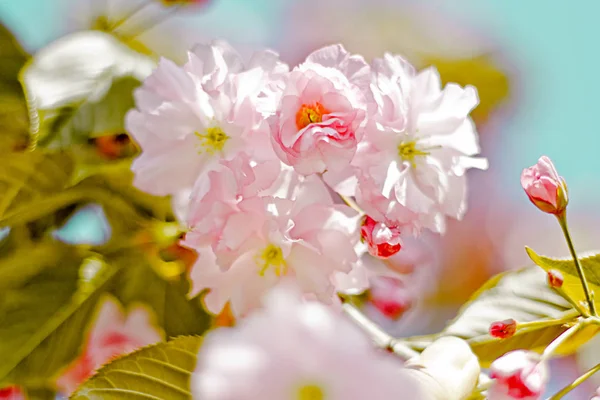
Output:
x,y
269,152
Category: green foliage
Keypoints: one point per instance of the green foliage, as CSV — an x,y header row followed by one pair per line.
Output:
x,y
14,123
43,317
572,287
161,371
139,281
80,87
522,295
28,182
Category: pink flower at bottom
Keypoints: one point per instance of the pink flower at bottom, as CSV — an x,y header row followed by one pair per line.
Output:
x,y
11,393
519,375
297,350
544,187
112,335
389,296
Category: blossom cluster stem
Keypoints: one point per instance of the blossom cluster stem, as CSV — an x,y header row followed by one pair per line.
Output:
x,y
377,334
552,347
562,220
575,383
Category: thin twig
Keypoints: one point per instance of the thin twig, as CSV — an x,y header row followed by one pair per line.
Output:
x,y
381,339
562,220
575,383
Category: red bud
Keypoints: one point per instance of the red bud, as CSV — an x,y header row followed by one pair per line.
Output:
x,y
555,278
503,329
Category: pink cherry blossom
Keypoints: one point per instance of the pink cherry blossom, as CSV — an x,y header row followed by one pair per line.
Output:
x,y
297,350
322,112
389,296
383,241
188,118
11,393
216,195
410,167
305,237
518,374
114,333
544,187
597,396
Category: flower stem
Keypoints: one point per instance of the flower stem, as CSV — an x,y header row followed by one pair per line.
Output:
x,y
562,220
351,203
129,14
381,338
552,347
575,383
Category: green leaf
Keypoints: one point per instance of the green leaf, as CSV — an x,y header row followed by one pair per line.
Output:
x,y
524,296
43,319
14,123
139,281
81,86
572,285
161,371
31,177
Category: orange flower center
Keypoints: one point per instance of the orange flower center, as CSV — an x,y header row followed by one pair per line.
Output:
x,y
310,114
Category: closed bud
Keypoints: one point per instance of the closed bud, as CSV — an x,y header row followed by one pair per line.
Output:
x,y
503,329
383,241
544,187
519,374
555,278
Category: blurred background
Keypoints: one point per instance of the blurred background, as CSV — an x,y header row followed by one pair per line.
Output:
x,y
532,62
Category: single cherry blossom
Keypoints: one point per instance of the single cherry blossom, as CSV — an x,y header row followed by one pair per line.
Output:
x,y
519,374
410,168
321,116
188,118
305,237
544,187
113,334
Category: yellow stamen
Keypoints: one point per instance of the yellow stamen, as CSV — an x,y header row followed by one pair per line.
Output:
x,y
272,256
213,140
408,151
310,114
310,392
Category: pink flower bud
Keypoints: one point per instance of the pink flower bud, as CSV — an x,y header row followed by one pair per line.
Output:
x,y
545,188
383,241
503,329
11,393
389,296
518,374
555,278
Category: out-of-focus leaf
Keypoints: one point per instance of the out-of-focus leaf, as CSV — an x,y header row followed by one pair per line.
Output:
x,y
117,177
482,72
140,282
524,296
161,371
81,86
26,178
14,122
572,285
42,321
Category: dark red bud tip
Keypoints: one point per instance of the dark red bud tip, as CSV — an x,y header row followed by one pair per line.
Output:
x,y
555,278
503,329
